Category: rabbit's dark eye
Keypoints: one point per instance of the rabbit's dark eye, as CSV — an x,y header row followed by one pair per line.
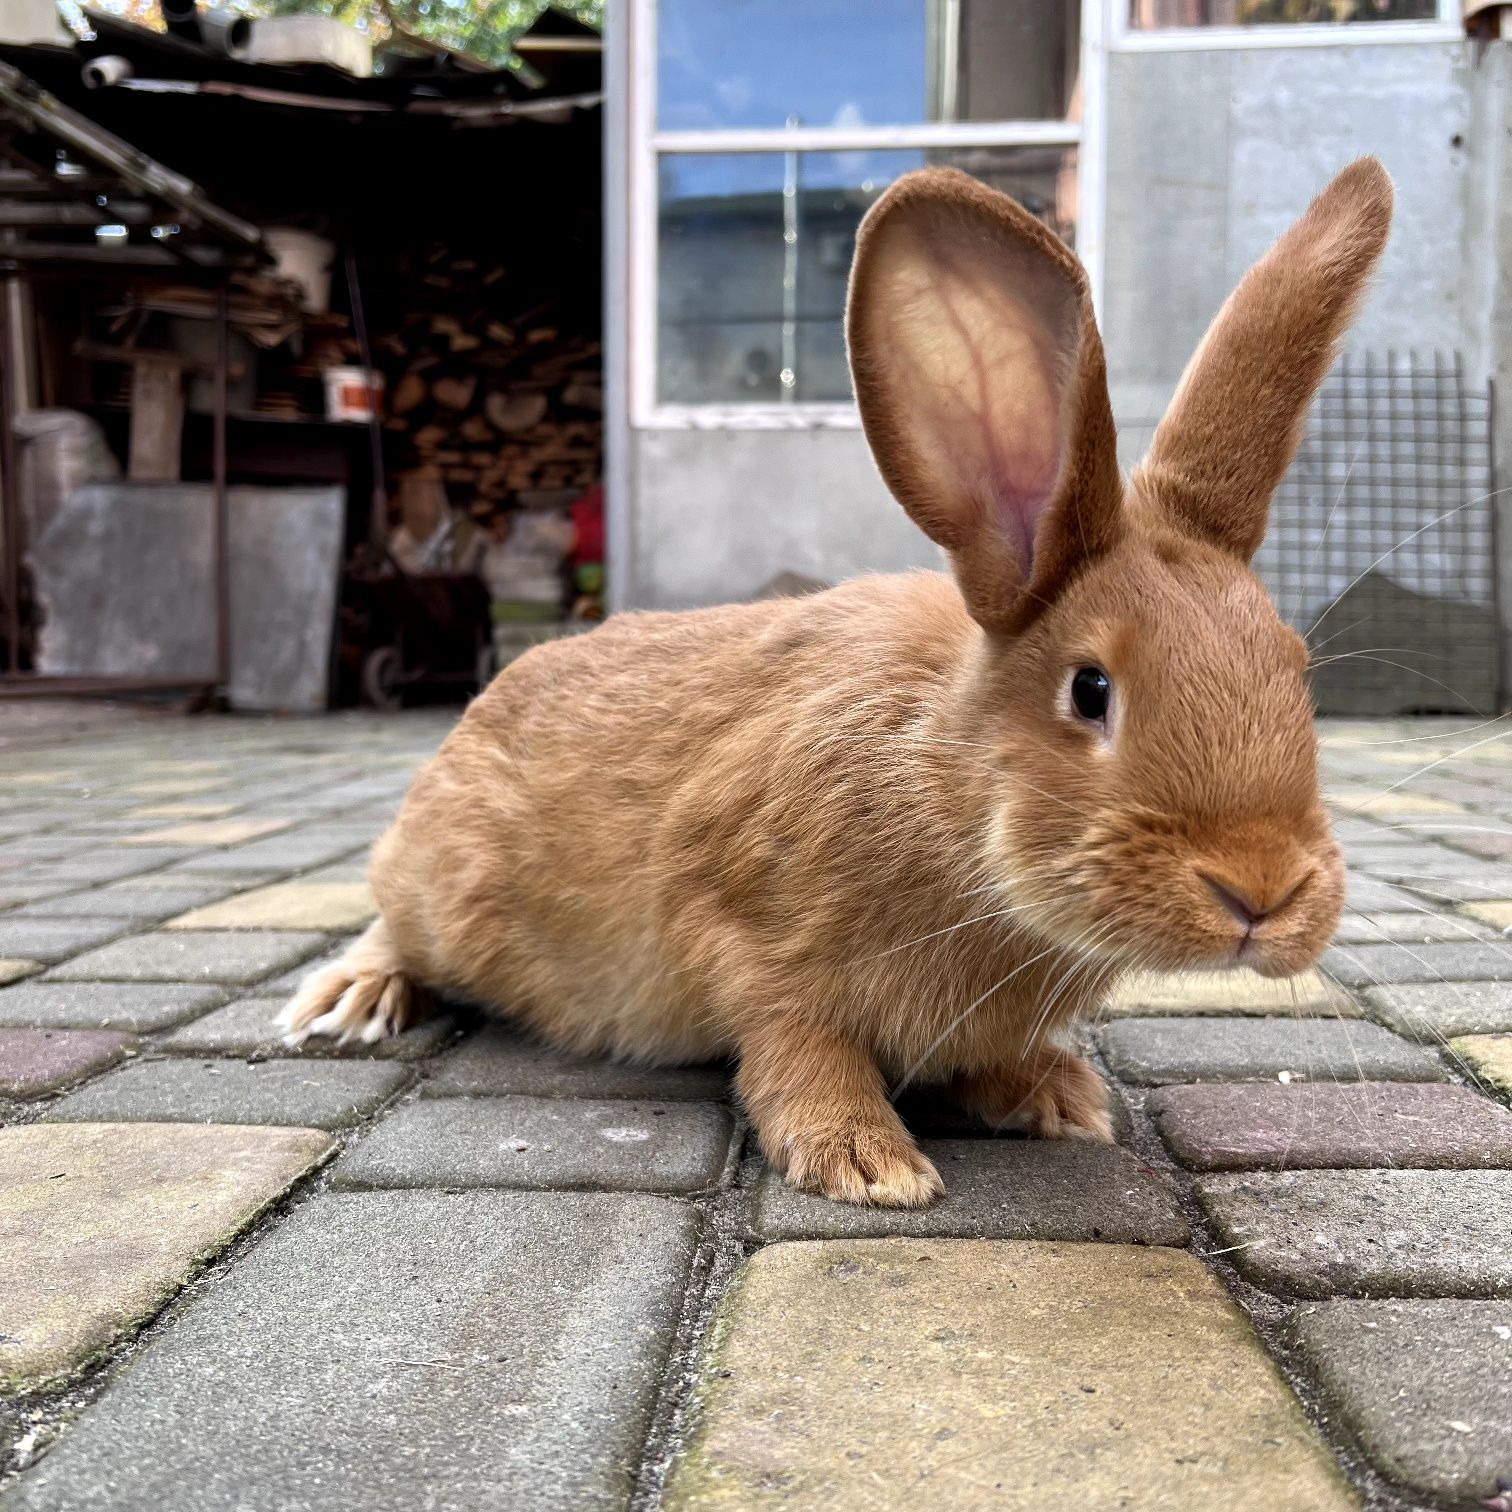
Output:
x,y
1090,692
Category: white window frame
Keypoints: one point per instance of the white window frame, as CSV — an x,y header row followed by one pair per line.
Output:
x,y
647,144
1121,37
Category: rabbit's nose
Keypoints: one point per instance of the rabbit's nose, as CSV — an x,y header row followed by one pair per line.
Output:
x,y
1252,908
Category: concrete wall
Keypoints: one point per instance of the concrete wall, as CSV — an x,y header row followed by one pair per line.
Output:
x,y
1210,156
1489,287
717,514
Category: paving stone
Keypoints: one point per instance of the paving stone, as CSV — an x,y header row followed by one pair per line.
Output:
x,y
1380,965
893,1373
335,906
34,1061
53,939
1455,879
1238,992
1498,915
500,1059
1489,1056
17,890
530,1142
139,1007
199,870
1408,929
1156,1052
1495,846
136,905
1372,895
101,865
493,1351
192,956
279,854
209,832
181,811
1425,1387
323,1094
1245,1128
100,1224
1008,1188
1391,804
248,1028
1435,1012
1366,1233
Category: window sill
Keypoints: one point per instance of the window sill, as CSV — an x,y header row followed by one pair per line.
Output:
x,y
1281,35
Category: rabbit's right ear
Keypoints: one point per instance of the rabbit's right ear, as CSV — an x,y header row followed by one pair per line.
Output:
x,y
982,387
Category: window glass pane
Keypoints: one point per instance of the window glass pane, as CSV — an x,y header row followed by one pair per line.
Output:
x,y
1156,15
755,63
755,251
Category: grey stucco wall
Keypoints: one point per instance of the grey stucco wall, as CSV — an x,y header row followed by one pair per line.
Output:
x,y
719,513
1210,156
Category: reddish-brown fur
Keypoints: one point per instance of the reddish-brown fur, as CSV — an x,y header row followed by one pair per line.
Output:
x,y
860,838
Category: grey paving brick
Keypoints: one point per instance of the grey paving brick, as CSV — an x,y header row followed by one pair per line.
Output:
x,y
141,905
1437,1011
139,1007
610,1144
1380,965
492,1351
1161,1051
1366,1233
54,939
247,1028
1456,879
16,890
34,1061
998,1189
1371,895
1424,1386
501,1059
297,850
1265,1126
1421,928
106,864
328,1094
185,955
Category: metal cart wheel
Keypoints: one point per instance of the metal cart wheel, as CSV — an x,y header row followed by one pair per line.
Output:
x,y
381,673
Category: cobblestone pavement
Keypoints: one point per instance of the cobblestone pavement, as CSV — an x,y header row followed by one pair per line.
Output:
x,y
458,1271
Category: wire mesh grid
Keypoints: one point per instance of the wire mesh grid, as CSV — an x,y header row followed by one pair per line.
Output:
x,y
1382,541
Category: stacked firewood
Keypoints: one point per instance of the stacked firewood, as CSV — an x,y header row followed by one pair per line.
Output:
x,y
494,387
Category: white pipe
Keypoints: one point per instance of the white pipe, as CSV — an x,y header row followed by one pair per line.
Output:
x,y
100,73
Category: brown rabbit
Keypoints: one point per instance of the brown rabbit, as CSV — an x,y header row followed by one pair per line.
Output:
x,y
908,828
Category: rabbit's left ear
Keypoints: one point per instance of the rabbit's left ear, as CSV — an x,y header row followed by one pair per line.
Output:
x,y
981,383
1237,418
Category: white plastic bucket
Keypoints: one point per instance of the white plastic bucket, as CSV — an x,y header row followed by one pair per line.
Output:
x,y
353,393
307,259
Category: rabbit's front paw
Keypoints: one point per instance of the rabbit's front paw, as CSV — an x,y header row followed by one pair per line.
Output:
x,y
865,1163
1051,1093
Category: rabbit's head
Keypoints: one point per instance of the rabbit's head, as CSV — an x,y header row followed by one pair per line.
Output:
x,y
1150,753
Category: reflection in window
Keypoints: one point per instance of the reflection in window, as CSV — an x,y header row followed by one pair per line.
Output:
x,y
1157,15
731,64
755,252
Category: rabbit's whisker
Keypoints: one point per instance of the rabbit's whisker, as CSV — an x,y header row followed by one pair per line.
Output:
x,y
1447,514
1417,739
999,913
961,1018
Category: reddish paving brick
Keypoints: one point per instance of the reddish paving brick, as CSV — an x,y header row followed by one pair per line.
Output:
x,y
34,1061
1309,1125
